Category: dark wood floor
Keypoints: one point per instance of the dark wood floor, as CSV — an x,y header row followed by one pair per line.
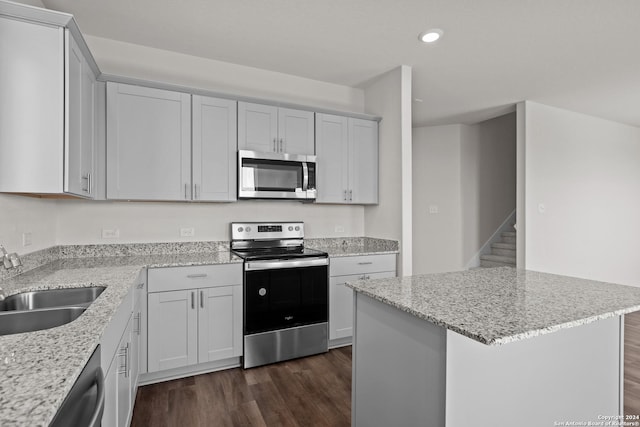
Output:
x,y
313,391
632,364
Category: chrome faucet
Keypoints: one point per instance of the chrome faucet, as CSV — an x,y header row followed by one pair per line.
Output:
x,y
11,260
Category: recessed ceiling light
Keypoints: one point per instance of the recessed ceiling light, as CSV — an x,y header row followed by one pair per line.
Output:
x,y
431,35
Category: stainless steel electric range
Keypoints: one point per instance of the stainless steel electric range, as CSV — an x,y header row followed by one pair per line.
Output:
x,y
286,292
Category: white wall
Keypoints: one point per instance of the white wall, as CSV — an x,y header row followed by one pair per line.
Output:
x,y
142,62
436,183
82,221
582,195
467,173
20,214
389,96
488,180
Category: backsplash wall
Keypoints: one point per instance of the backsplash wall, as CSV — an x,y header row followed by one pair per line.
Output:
x,y
82,222
20,214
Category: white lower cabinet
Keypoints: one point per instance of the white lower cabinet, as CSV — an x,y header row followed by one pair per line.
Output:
x,y
349,269
195,316
120,344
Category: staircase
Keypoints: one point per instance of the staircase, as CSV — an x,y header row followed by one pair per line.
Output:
x,y
503,253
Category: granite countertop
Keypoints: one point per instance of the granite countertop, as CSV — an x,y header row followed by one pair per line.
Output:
x,y
37,369
501,305
353,246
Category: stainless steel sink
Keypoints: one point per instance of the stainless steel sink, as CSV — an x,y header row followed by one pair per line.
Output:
x,y
15,322
77,297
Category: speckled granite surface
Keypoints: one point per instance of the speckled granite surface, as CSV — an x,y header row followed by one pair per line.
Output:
x,y
502,305
351,246
37,369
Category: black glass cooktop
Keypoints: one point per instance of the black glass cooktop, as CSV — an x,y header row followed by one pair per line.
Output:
x,y
254,254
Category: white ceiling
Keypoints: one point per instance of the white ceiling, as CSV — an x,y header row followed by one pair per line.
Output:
x,y
583,55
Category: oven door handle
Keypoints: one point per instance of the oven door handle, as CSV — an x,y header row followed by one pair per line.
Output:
x,y
272,265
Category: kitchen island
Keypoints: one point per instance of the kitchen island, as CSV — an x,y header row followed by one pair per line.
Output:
x,y
489,347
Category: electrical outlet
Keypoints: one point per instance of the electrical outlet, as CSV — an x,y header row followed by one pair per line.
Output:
x,y
339,229
27,238
110,233
187,232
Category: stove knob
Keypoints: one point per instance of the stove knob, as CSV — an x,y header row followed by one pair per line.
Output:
x,y
240,229
262,292
290,228
297,228
248,229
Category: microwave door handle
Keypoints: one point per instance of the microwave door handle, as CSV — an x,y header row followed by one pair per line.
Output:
x,y
305,176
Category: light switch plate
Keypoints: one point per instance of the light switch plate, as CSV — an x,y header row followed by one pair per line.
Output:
x,y
187,232
110,233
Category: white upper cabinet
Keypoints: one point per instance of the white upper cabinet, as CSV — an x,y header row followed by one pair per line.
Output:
x,y
296,131
266,128
165,145
363,161
214,149
347,159
47,106
148,143
80,122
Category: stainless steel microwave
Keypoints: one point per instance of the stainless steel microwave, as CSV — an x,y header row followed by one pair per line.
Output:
x,y
276,176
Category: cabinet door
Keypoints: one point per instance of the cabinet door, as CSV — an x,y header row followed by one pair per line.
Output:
x,y
363,159
110,414
31,107
124,381
257,127
79,130
341,302
214,149
148,143
220,323
341,306
332,148
296,131
172,330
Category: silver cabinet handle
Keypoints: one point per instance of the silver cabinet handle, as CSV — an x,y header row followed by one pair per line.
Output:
x,y
196,196
86,178
350,195
193,300
365,263
345,195
136,329
196,276
90,183
201,299
124,368
281,145
275,145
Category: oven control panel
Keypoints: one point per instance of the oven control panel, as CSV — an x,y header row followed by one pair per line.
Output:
x,y
266,230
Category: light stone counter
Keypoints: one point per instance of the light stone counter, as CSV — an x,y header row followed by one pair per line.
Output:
x,y
501,305
37,369
353,246
426,349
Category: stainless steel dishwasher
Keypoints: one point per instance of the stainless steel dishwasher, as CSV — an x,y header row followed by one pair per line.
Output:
x,y
84,405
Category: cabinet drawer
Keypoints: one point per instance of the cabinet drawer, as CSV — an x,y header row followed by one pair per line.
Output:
x,y
203,276
342,266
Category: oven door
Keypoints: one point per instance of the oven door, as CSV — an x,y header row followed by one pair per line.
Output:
x,y
275,176
285,294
